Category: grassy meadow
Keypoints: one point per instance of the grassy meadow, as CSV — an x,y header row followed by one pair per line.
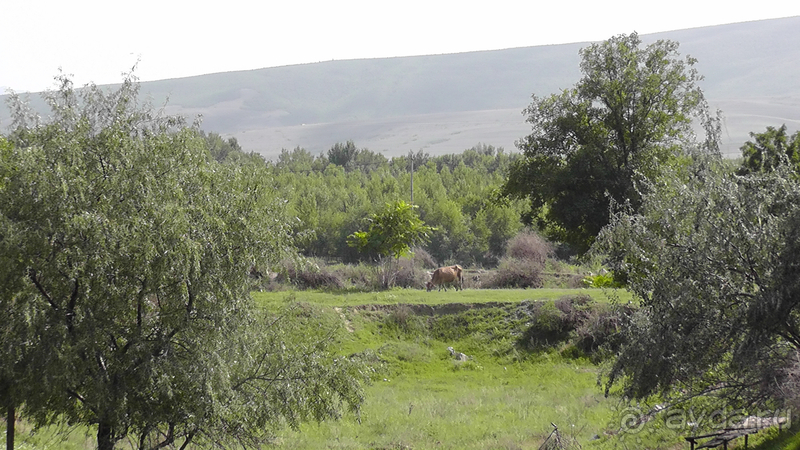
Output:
x,y
505,396
512,388
277,299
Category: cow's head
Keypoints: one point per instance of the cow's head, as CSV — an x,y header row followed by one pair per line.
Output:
x,y
429,285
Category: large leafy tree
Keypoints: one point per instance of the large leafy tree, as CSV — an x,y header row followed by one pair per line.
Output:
x,y
125,253
713,258
590,145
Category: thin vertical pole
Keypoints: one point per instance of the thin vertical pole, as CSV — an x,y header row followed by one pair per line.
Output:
x,y
11,418
411,156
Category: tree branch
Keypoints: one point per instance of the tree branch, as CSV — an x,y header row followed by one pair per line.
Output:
x,y
32,275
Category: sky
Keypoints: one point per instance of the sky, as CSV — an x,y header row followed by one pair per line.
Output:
x,y
99,40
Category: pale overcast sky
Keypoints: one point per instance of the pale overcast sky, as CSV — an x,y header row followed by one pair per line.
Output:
x,y
98,40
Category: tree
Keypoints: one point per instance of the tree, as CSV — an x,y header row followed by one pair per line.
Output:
x,y
769,150
344,155
12,339
592,144
391,232
125,251
713,258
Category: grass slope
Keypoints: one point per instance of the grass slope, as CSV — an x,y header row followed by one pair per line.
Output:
x,y
421,397
505,395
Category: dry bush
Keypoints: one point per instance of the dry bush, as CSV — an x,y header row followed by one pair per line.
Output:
x,y
526,255
315,274
310,276
599,328
410,274
422,258
360,276
589,327
529,246
516,273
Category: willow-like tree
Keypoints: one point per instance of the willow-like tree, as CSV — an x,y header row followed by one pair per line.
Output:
x,y
631,112
714,260
125,255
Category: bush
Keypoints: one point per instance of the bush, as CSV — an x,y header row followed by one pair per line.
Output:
x,y
529,246
412,273
589,326
549,327
599,329
403,321
422,258
360,276
603,280
310,276
516,273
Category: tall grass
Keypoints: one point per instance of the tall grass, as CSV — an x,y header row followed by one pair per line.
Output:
x,y
477,406
503,396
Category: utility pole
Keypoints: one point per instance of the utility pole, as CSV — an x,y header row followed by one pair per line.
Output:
x,y
411,157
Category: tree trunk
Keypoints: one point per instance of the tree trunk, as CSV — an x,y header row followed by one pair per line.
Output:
x,y
11,418
105,436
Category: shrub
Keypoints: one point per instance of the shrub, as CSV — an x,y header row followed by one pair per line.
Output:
x,y
589,326
422,258
548,327
599,329
310,276
411,273
403,321
516,273
529,246
603,280
361,276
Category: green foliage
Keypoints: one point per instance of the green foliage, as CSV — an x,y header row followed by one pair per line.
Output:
x,y
592,145
392,231
713,256
602,280
454,193
769,150
125,256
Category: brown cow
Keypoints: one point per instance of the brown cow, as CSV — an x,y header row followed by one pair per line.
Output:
x,y
444,276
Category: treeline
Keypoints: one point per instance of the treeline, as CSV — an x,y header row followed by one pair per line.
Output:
x,y
331,194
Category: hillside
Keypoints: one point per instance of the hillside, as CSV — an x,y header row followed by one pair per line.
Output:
x,y
447,103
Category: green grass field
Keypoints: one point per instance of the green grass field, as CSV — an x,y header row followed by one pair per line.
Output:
x,y
505,396
422,398
413,296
